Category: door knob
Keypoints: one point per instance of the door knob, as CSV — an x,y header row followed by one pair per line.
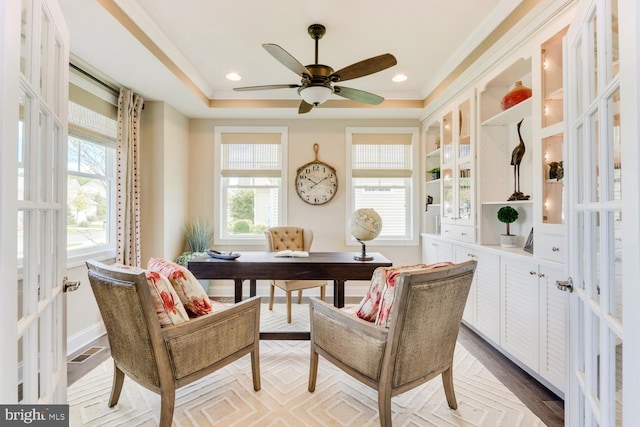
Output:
x,y
565,285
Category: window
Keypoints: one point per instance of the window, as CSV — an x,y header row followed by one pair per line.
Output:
x,y
380,165
250,173
91,153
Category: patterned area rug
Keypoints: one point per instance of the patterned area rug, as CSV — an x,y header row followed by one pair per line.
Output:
x,y
226,397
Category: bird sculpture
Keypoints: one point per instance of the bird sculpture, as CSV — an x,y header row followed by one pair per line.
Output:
x,y
516,158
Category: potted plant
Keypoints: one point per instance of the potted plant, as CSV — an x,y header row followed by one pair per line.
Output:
x,y
197,235
507,214
435,173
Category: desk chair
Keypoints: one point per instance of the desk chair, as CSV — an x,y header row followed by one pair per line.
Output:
x,y
296,239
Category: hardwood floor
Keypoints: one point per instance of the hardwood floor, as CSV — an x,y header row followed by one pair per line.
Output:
x,y
542,402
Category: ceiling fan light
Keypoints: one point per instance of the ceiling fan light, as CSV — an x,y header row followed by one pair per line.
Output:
x,y
315,95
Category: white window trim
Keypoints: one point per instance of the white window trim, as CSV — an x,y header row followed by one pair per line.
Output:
x,y
217,182
413,240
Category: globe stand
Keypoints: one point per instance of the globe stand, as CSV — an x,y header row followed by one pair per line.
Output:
x,y
363,255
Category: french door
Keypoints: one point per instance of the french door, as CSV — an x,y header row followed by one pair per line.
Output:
x,y
603,213
35,57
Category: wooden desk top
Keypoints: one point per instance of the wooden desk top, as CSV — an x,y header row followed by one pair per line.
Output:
x,y
265,265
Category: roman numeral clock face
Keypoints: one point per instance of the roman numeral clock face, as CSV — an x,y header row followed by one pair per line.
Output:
x,y
316,183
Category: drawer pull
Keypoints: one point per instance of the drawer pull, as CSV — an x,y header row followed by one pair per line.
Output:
x,y
565,285
471,255
541,275
533,273
463,234
555,249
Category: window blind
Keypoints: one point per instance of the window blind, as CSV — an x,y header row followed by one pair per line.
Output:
x,y
251,154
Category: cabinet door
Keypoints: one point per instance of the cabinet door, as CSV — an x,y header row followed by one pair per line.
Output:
x,y
434,251
520,310
553,307
462,254
487,295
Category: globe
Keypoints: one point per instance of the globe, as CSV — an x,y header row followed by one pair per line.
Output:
x,y
365,224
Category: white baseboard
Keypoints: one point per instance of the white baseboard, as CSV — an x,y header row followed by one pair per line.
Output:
x,y
83,338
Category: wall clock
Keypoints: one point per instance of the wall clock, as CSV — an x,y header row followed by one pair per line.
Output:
x,y
316,181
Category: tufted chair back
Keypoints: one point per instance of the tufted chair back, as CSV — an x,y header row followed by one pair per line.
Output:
x,y
286,237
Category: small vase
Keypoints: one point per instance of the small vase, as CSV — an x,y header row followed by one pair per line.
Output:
x,y
515,96
508,240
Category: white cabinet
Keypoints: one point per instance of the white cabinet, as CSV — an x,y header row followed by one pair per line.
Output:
x,y
534,318
482,311
435,250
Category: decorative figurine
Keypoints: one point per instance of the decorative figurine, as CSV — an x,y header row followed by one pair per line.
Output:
x,y
556,170
516,157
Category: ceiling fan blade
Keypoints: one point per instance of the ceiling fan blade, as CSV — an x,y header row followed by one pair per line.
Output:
x,y
358,95
286,59
364,68
304,107
264,87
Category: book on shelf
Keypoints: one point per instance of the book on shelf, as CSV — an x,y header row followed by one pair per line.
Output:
x,y
290,253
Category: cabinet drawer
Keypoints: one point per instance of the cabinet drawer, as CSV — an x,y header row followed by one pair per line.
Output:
x,y
459,232
549,246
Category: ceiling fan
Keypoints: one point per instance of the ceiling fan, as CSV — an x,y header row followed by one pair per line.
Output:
x,y
317,80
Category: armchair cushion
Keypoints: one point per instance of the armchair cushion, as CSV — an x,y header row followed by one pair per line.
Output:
x,y
193,297
169,308
376,305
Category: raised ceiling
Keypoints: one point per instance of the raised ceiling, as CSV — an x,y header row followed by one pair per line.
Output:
x,y
180,51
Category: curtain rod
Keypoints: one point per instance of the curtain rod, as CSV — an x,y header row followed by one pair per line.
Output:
x,y
80,70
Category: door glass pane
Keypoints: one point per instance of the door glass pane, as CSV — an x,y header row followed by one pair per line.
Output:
x,y
613,134
21,232
41,153
44,55
593,66
553,184
464,129
581,259
592,277
581,154
615,296
57,77
54,149
618,381
22,144
25,39
615,54
578,81
20,371
465,190
594,171
447,139
447,193
594,373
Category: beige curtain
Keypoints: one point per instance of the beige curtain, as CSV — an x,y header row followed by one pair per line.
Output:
x,y
128,184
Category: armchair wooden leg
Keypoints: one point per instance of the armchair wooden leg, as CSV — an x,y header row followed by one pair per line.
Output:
x,y
384,406
299,296
323,293
447,382
313,371
255,367
272,291
116,388
288,306
167,404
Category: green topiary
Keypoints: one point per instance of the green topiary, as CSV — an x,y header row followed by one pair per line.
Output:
x,y
507,214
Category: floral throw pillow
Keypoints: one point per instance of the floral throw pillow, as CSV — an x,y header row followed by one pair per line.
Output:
x,y
169,308
193,297
388,294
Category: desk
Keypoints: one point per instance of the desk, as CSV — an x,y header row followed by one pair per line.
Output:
x,y
252,266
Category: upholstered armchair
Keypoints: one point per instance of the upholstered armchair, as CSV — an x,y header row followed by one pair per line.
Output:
x,y
163,359
418,345
296,239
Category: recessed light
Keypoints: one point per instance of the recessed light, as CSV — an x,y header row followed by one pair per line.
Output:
x,y
234,77
399,77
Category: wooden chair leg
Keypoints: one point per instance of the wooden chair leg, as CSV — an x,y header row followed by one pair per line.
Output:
x,y
299,296
384,406
323,293
288,306
447,382
116,388
167,404
313,370
255,366
272,291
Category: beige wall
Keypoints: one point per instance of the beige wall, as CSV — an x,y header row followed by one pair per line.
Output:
x,y
327,221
